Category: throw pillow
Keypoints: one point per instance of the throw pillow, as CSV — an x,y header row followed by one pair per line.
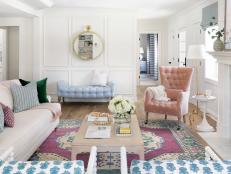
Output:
x,y
41,87
99,78
24,97
6,96
8,116
1,119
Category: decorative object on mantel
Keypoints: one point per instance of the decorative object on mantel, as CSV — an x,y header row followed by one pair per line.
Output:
x,y
218,45
122,109
88,45
228,25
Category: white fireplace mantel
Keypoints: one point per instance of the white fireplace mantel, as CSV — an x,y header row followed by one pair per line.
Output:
x,y
223,57
220,141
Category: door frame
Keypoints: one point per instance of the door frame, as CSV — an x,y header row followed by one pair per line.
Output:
x,y
159,53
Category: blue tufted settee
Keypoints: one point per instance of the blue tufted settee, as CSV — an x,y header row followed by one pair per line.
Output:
x,y
89,92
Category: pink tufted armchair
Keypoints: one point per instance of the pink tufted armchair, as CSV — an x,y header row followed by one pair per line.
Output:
x,y
176,81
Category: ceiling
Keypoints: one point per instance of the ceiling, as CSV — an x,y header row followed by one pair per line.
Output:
x,y
144,8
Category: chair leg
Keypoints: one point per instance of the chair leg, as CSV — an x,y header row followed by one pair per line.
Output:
x,y
63,100
146,122
178,126
184,118
166,116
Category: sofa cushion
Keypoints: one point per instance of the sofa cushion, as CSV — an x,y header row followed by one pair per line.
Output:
x,y
43,167
8,116
41,88
24,97
179,166
1,119
30,126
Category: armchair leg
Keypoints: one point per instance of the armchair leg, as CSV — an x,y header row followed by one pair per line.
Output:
x,y
166,116
178,126
184,118
146,122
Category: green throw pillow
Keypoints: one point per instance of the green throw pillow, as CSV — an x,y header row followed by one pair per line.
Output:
x,y
41,88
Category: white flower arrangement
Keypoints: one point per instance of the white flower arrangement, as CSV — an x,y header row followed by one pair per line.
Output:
x,y
121,106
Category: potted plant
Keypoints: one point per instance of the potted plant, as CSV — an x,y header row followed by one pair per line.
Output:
x,y
122,109
217,34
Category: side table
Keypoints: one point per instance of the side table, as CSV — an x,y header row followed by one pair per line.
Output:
x,y
204,125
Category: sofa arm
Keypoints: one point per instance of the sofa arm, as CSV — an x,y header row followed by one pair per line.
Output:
x,y
49,98
112,86
92,162
123,161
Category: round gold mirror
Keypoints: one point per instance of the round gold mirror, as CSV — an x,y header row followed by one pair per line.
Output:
x,y
88,45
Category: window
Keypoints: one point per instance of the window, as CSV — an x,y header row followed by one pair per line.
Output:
x,y
211,66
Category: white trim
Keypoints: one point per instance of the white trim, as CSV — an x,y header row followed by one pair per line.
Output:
x,y
21,7
211,81
92,162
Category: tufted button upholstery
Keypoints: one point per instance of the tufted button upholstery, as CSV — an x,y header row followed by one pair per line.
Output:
x,y
85,92
176,77
176,81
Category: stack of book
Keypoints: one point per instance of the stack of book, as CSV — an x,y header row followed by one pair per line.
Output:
x,y
123,130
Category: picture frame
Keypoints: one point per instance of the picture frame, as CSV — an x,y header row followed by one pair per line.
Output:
x,y
227,27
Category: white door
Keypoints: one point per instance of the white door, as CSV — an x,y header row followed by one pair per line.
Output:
x,y
3,54
182,48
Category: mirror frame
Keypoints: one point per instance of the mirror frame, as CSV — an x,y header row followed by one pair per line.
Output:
x,y
76,52
225,25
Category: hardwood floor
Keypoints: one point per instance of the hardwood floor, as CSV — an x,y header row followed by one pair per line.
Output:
x,y
79,111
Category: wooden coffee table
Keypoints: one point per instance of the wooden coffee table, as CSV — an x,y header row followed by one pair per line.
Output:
x,y
133,143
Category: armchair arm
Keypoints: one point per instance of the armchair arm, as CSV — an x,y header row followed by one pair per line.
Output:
x,y
148,96
182,101
123,161
91,167
173,93
182,98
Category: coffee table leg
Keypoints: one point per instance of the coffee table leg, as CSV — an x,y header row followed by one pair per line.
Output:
x,y
73,154
141,154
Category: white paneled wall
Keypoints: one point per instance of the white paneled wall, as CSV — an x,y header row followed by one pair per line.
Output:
x,y
58,27
189,20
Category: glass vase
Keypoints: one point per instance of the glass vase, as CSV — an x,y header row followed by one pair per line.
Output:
x,y
122,118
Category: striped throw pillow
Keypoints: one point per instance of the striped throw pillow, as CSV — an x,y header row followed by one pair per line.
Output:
x,y
24,97
1,119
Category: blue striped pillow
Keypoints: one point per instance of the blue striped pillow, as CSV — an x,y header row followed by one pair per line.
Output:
x,y
1,119
24,97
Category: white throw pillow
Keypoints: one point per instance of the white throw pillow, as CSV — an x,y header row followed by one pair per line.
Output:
x,y
99,78
6,96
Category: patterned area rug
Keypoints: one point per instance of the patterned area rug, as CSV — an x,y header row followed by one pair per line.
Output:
x,y
161,140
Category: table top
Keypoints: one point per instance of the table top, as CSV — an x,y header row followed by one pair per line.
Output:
x,y
203,98
134,140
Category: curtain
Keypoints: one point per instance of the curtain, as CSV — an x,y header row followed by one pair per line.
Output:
x,y
152,56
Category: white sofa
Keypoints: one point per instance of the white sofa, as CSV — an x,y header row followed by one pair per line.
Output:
x,y
30,130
